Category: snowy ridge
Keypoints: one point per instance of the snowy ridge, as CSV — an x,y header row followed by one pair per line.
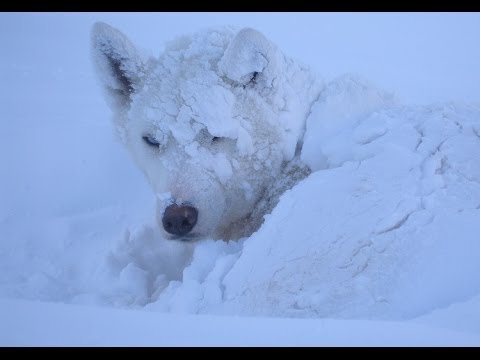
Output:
x,y
385,239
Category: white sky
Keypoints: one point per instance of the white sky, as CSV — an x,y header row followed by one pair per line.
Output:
x,y
422,57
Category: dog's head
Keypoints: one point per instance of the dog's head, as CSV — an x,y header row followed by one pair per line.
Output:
x,y
210,122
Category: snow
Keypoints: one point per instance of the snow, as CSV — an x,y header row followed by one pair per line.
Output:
x,y
74,325
378,246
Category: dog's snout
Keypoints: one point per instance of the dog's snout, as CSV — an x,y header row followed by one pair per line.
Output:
x,y
179,220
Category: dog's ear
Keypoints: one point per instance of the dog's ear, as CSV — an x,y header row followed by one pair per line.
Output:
x,y
249,54
118,64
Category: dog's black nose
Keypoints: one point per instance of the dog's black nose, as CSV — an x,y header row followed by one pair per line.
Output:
x,y
179,220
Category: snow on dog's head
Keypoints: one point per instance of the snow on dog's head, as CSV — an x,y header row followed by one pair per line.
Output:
x,y
211,122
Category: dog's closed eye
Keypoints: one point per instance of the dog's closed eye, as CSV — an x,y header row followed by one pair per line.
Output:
x,y
150,140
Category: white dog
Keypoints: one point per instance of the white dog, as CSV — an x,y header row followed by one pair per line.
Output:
x,y
216,123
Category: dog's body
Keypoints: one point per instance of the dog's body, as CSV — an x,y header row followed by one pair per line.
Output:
x,y
216,123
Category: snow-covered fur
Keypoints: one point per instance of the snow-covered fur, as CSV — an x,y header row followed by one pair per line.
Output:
x,y
215,122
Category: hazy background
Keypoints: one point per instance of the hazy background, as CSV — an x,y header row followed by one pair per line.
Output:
x,y
424,57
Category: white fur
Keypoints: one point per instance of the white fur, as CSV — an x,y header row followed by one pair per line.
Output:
x,y
201,88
